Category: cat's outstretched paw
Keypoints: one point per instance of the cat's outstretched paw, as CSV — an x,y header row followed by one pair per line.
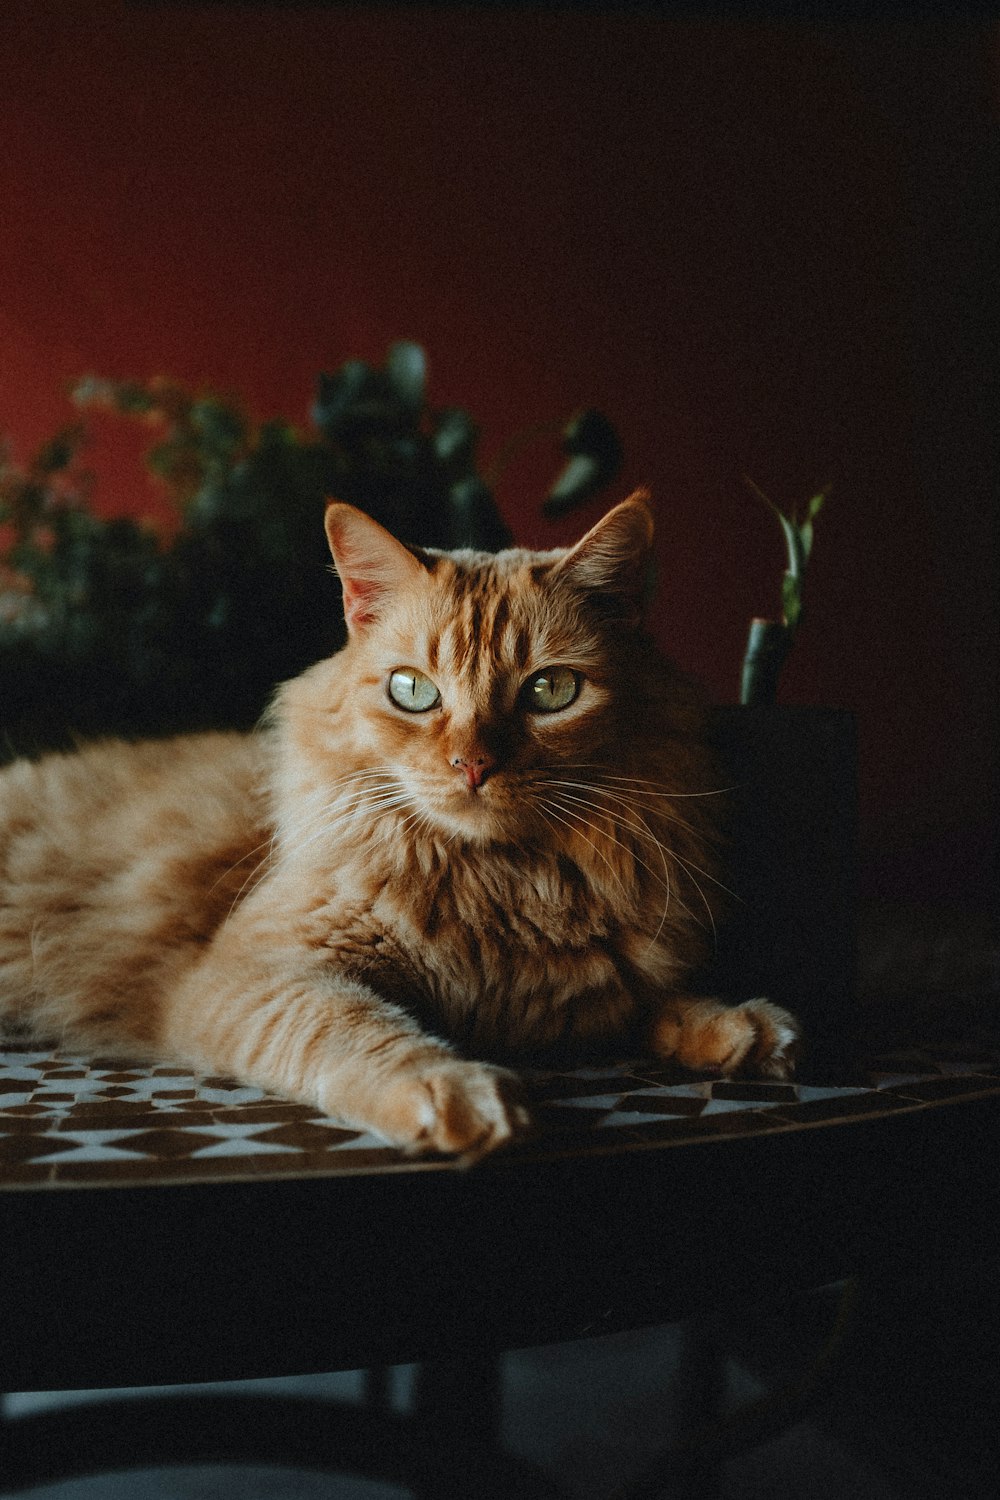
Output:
x,y
466,1109
756,1038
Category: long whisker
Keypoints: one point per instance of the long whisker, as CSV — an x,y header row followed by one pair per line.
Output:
x,y
370,789
667,889
689,867
670,813
564,797
681,859
638,782
408,824
557,808
692,870
256,875
293,840
595,788
264,844
665,882
378,798
289,830
644,830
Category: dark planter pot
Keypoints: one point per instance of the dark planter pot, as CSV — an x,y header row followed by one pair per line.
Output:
x,y
791,861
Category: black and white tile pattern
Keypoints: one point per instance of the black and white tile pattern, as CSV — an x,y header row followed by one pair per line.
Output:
x,y
71,1120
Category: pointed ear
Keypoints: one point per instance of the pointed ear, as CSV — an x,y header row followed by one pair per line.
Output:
x,y
612,558
371,564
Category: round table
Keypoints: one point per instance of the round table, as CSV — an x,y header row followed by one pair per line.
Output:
x,y
161,1228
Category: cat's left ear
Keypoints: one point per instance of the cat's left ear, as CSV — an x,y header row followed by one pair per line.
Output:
x,y
371,564
613,557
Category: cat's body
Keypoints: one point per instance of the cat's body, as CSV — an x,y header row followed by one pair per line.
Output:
x,y
486,824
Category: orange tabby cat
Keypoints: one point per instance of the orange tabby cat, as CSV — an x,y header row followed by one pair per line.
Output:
x,y
480,829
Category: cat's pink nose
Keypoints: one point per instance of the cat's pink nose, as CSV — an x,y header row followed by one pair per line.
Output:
x,y
476,768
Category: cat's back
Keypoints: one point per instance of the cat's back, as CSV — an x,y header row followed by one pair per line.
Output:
x,y
118,862
113,799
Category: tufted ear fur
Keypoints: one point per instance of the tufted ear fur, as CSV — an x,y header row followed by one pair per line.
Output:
x,y
612,558
371,564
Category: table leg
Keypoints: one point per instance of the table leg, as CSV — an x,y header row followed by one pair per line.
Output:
x,y
458,1401
376,1388
4,1445
696,1473
461,1396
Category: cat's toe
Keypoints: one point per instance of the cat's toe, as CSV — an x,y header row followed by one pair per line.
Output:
x,y
469,1110
756,1038
773,1046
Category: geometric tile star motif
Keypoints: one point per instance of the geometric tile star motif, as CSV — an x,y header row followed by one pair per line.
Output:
x,y
69,1119
23,1148
236,1141
307,1135
166,1143
84,1147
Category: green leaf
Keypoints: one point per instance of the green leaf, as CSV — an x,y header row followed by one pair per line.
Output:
x,y
218,424
594,457
796,543
791,599
768,644
454,438
806,529
406,367
126,396
58,452
580,477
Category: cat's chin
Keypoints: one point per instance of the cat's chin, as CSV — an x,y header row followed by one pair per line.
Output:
x,y
478,816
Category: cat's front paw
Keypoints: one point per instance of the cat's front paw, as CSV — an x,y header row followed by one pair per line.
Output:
x,y
756,1038
466,1109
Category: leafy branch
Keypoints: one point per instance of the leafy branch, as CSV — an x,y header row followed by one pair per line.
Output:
x,y
106,626
770,641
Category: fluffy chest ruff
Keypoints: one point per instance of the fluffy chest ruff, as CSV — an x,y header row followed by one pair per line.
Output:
x,y
504,950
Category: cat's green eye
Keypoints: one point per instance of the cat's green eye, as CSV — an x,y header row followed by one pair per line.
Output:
x,y
411,690
551,689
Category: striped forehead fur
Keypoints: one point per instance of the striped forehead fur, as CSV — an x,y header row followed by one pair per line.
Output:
x,y
508,609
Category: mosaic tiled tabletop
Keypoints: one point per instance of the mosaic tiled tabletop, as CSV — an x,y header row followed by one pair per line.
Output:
x,y
67,1120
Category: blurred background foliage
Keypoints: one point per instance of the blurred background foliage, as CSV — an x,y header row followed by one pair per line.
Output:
x,y
107,628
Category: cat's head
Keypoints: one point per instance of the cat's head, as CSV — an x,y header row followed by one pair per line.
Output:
x,y
471,679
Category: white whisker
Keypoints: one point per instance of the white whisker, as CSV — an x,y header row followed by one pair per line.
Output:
x,y
681,859
639,782
668,891
642,828
624,801
556,809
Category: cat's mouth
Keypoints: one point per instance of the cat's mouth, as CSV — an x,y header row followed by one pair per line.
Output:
x,y
481,811
496,807
474,798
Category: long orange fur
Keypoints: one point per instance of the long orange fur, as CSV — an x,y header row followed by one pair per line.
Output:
x,y
357,904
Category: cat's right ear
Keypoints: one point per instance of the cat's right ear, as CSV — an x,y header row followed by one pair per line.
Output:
x,y
371,564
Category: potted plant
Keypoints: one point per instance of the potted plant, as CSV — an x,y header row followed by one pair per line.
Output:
x,y
791,857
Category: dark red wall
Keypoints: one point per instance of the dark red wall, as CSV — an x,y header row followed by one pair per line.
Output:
x,y
759,248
